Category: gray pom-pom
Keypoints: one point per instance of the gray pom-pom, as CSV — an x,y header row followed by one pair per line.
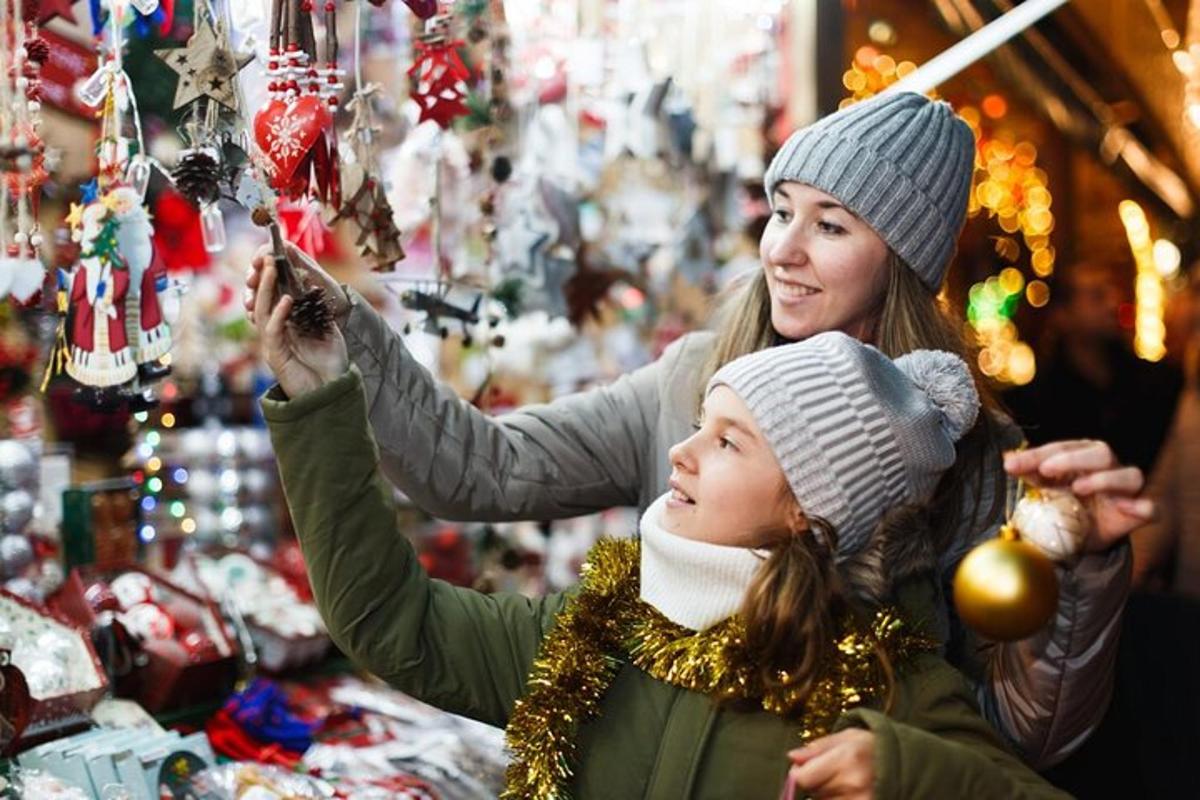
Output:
x,y
946,381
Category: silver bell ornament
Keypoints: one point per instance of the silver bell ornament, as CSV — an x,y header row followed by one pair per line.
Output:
x,y
16,511
16,554
1054,520
18,468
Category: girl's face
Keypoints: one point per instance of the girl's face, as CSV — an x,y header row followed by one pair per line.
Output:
x,y
727,487
826,269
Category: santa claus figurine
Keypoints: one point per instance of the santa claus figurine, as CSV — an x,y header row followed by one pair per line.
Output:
x,y
99,346
148,330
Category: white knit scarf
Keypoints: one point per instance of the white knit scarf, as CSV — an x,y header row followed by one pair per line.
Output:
x,y
694,584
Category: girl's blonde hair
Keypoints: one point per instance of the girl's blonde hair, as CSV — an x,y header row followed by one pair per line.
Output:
x,y
910,317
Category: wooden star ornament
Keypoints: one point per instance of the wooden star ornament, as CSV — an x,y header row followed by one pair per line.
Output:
x,y
207,66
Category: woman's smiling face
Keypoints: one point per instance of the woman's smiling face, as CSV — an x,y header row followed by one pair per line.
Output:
x,y
826,269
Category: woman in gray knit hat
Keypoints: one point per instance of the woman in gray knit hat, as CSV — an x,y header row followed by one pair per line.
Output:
x,y
867,204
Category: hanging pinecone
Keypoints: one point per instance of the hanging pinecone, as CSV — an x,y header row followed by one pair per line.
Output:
x,y
312,315
311,312
198,177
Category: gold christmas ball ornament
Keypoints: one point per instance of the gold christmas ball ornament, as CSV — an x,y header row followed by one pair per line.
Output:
x,y
1006,589
1054,520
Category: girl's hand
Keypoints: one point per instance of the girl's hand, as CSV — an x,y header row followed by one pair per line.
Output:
x,y
1089,468
841,765
300,363
304,267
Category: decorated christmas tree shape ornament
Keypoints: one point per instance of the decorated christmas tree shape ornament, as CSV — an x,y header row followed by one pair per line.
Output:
x,y
1007,588
365,202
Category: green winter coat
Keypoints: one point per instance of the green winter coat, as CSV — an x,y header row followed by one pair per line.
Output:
x,y
470,653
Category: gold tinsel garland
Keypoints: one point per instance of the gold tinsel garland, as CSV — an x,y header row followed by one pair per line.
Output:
x,y
607,623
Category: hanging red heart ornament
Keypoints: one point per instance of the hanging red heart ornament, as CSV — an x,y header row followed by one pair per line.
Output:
x,y
287,134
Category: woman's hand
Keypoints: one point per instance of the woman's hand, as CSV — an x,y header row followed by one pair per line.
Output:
x,y
306,269
841,765
300,363
1089,468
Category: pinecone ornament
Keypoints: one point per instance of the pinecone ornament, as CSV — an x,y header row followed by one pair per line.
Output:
x,y
312,315
198,177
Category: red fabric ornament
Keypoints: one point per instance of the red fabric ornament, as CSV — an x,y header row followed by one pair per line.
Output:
x,y
178,241
438,79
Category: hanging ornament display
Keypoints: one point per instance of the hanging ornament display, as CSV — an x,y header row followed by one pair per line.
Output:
x,y
294,130
22,151
207,70
114,336
365,199
438,75
1006,588
211,160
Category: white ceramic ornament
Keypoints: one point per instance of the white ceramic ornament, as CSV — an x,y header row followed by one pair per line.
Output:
x,y
1054,520
50,577
149,622
133,588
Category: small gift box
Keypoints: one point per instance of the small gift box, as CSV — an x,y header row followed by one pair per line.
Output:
x,y
62,674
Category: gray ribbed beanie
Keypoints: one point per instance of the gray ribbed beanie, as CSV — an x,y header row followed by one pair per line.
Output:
x,y
855,432
901,162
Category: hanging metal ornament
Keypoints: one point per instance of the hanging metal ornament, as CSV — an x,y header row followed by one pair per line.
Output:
x,y
294,131
22,152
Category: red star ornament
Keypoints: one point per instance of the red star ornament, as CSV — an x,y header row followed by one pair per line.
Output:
x,y
439,82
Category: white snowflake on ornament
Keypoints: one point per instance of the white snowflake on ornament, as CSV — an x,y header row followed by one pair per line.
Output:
x,y
287,136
